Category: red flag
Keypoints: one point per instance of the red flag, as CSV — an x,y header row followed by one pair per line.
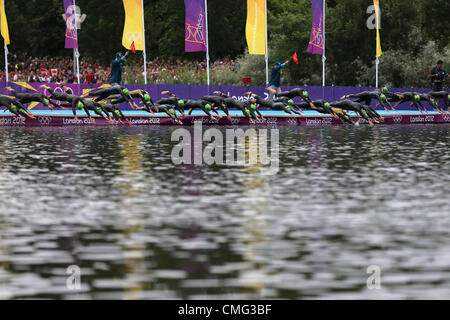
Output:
x,y
132,47
295,57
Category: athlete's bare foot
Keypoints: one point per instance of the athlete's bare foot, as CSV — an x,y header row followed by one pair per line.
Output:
x,y
128,121
229,117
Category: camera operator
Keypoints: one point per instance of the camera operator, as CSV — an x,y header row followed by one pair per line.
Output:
x,y
437,76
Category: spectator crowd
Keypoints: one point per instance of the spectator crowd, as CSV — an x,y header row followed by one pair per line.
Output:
x,y
60,69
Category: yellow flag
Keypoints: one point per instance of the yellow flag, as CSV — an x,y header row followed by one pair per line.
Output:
x,y
4,22
133,30
256,26
377,15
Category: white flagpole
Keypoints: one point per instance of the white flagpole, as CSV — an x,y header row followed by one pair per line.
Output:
x,y
145,52
77,53
6,54
267,50
207,44
323,56
377,61
6,63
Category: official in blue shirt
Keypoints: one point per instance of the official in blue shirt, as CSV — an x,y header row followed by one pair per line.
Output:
x,y
116,68
275,79
437,76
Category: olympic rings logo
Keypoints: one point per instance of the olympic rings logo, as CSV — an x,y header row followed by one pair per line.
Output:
x,y
134,36
398,119
44,120
446,118
235,120
292,121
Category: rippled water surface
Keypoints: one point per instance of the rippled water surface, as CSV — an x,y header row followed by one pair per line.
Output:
x,y
110,201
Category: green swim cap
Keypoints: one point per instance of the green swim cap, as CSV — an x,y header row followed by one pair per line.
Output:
x,y
46,101
383,97
417,97
291,102
253,106
147,97
117,112
180,103
224,106
126,91
327,105
99,109
247,112
305,94
80,105
208,107
448,97
14,108
384,90
288,108
364,112
432,100
171,111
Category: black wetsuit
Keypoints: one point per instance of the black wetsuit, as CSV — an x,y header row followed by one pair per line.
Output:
x,y
135,95
104,93
218,102
169,110
279,104
13,106
367,96
26,98
244,106
173,101
441,95
409,96
297,92
197,104
113,109
352,106
320,107
71,99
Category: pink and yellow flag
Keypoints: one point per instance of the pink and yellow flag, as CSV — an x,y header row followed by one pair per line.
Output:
x,y
256,26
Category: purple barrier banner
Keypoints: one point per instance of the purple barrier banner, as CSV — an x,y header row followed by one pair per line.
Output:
x,y
197,91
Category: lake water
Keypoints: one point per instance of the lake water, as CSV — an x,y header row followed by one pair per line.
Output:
x,y
109,200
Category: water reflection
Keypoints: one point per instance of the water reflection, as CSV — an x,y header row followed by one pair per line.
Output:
x,y
111,201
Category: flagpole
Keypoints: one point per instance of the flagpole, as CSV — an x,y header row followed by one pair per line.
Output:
x,y
145,52
6,53
323,55
267,50
207,44
6,62
77,53
376,52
